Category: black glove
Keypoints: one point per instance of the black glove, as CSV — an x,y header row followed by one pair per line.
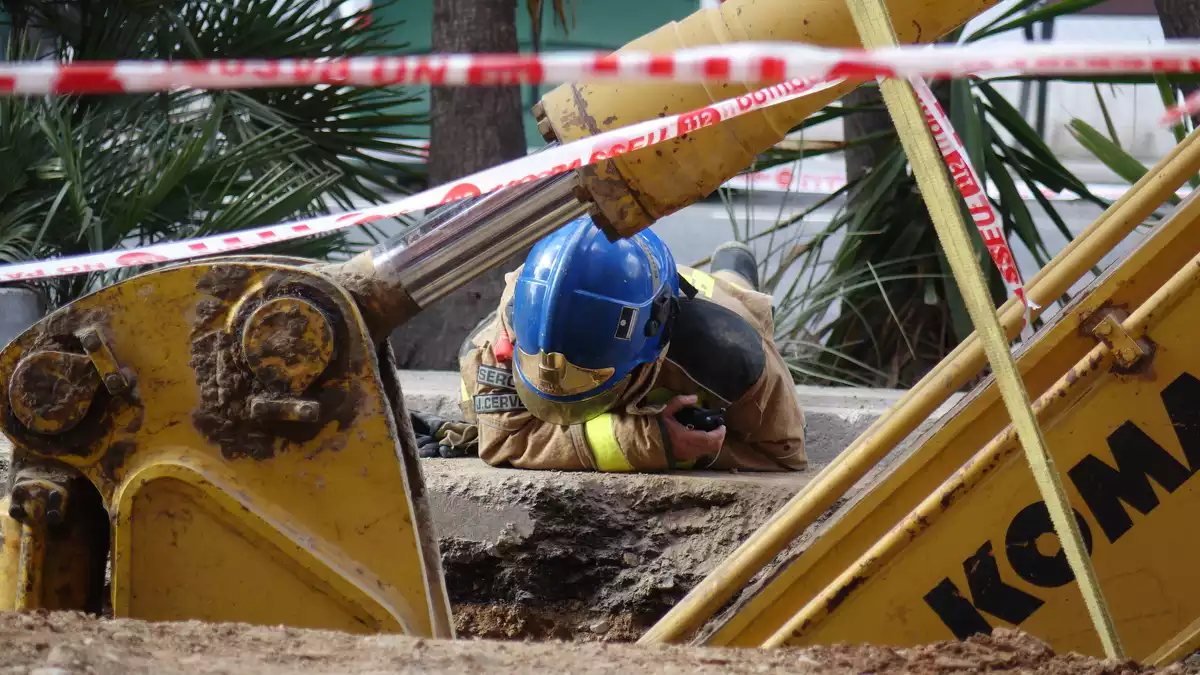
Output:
x,y
427,446
425,429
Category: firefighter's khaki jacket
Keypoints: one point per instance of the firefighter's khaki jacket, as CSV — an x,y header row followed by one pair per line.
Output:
x,y
721,350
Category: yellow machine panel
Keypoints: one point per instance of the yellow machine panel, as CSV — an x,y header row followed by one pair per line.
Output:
x,y
975,421
245,441
633,190
980,551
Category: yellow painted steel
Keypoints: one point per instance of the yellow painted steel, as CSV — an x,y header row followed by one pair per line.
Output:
x,y
221,516
1178,648
106,367
10,558
876,28
31,562
329,530
855,527
64,384
980,551
633,190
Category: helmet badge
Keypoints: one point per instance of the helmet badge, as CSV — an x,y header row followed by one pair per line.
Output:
x,y
552,374
626,322
552,368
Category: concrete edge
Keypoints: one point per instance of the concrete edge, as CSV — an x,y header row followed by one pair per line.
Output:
x,y
836,416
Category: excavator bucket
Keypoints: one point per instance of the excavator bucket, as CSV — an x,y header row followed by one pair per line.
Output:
x,y
234,427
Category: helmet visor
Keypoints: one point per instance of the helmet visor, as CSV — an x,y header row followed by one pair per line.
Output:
x,y
552,374
574,412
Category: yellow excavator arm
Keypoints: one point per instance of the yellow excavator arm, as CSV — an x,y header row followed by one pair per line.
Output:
x,y
229,436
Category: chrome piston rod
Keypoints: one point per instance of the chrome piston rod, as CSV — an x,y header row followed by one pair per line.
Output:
x,y
404,275
450,250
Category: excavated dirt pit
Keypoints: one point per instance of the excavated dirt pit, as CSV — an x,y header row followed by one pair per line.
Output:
x,y
67,643
584,556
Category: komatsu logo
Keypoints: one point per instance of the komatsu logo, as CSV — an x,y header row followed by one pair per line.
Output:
x,y
1106,490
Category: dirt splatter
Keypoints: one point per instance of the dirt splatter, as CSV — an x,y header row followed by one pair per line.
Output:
x,y
114,459
57,396
67,643
283,340
225,389
57,331
207,311
52,395
224,281
384,305
227,384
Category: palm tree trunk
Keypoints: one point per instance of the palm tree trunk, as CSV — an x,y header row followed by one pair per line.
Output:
x,y
472,128
1180,19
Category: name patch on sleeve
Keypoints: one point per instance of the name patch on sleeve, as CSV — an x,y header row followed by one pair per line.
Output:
x,y
498,403
495,377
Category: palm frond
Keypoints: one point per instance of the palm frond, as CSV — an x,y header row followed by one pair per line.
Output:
x,y
90,173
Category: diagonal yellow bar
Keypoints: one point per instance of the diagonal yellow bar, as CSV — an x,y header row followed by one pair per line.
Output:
x,y
875,26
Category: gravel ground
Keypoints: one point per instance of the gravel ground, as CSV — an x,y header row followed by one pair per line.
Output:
x,y
67,643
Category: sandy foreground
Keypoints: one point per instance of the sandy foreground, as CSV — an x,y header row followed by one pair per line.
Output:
x,y
61,643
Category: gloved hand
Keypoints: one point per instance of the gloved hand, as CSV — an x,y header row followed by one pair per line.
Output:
x,y
425,427
447,439
458,439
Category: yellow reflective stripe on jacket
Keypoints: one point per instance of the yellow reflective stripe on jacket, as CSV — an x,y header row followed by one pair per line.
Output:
x,y
603,442
466,395
703,282
733,279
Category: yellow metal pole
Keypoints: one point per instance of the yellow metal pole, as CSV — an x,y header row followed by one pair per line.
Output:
x,y
31,564
875,25
1080,255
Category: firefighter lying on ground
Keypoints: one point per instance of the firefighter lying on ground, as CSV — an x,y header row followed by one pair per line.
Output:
x,y
597,345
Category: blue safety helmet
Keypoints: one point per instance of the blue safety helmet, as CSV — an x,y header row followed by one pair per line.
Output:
x,y
586,312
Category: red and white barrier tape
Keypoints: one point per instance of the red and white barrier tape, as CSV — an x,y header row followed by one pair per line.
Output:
x,y
800,177
741,62
966,180
820,175
1189,107
551,161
